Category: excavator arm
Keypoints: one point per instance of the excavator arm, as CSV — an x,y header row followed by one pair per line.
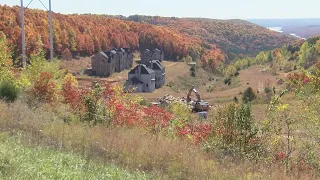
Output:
x,y
195,91
197,94
189,94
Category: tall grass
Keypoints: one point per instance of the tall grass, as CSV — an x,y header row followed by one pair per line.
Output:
x,y
130,148
21,162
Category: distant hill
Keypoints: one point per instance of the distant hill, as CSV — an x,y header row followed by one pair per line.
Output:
x,y
235,37
83,35
304,28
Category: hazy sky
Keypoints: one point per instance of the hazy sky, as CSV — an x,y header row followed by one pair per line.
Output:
x,y
220,9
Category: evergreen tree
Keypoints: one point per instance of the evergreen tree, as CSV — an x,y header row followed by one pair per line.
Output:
x,y
270,57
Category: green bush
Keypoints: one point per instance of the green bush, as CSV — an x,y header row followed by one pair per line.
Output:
x,y
267,90
8,91
234,129
236,73
248,95
209,88
235,99
227,81
145,102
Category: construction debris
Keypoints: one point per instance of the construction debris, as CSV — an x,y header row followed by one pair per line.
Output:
x,y
169,99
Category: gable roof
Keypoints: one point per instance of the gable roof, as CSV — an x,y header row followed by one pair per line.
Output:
x,y
104,54
135,80
156,65
144,69
156,49
118,50
147,50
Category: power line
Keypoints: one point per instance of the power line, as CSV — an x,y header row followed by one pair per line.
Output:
x,y
23,31
24,62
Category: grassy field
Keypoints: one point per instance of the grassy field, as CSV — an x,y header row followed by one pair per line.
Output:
x,y
21,162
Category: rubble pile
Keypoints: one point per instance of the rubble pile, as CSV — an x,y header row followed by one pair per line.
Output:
x,y
168,99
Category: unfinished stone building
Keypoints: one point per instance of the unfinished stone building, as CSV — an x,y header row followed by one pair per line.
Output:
x,y
129,57
108,62
147,56
120,60
141,79
160,73
103,63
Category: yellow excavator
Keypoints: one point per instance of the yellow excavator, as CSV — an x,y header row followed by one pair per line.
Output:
x,y
198,105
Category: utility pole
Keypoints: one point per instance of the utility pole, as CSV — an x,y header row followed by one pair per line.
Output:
x,y
51,38
24,62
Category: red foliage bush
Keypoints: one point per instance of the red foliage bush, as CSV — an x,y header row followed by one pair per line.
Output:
x,y
44,88
198,132
71,93
280,156
156,117
126,115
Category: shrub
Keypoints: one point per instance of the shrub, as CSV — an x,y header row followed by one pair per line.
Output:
x,y
235,99
227,81
145,102
233,128
209,88
193,71
267,90
70,91
8,91
248,95
44,88
236,73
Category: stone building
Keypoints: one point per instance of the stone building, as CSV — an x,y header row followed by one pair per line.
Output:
x,y
159,70
129,58
147,56
142,79
108,62
120,59
157,55
103,63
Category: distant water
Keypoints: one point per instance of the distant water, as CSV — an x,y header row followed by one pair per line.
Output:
x,y
293,34
278,29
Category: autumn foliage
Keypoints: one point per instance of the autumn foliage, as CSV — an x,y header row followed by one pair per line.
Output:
x,y
83,35
70,91
234,37
44,88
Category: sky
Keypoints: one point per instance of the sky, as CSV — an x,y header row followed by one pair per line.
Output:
x,y
215,9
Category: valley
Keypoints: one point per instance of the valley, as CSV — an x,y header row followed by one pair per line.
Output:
x,y
70,117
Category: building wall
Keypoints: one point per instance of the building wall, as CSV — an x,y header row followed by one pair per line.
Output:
x,y
123,60
158,74
129,61
120,61
99,65
149,83
156,56
146,57
162,56
117,62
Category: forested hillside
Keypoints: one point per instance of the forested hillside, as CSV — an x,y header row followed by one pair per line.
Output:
x,y
235,37
83,35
